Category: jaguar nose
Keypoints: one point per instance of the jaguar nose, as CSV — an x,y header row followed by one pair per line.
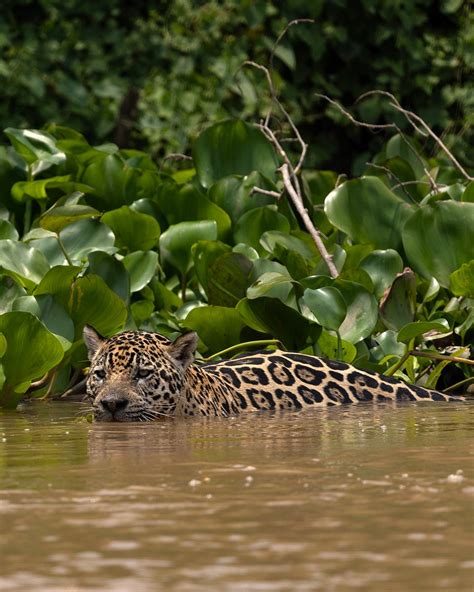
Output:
x,y
113,405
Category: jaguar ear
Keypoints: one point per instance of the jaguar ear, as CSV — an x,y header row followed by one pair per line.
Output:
x,y
93,340
182,350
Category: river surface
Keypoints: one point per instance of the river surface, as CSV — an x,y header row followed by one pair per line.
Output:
x,y
369,498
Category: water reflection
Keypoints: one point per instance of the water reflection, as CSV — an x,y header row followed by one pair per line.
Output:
x,y
364,498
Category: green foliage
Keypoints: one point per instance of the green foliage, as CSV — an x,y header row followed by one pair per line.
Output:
x,y
368,212
106,238
153,74
218,152
29,351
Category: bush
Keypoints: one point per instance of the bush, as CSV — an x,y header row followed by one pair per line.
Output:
x,y
100,235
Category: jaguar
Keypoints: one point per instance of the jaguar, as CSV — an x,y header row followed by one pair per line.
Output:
x,y
143,376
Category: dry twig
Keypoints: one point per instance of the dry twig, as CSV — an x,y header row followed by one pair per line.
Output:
x,y
380,126
288,170
420,126
392,175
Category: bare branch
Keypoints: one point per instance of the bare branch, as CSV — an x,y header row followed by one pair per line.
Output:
x,y
407,183
283,33
298,203
375,127
274,194
392,97
425,130
288,170
392,175
372,126
414,151
266,71
277,102
272,138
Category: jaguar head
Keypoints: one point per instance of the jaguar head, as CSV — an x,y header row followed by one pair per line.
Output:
x,y
136,375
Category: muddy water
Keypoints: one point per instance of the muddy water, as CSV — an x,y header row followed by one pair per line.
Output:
x,y
361,498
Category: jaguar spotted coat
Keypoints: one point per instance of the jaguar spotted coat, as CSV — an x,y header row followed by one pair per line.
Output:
x,y
140,376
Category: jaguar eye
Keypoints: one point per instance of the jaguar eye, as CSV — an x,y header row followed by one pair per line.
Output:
x,y
144,372
99,374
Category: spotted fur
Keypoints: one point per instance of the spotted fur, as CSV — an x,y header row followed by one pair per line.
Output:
x,y
140,376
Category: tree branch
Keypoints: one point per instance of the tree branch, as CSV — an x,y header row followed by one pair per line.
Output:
x,y
298,203
274,194
425,130
380,126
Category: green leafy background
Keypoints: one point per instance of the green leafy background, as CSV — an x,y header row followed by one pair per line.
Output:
x,y
151,75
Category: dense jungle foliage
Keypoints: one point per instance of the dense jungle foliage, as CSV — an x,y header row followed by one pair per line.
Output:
x,y
101,235
152,75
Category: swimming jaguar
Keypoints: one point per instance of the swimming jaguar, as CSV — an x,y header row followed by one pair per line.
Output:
x,y
142,376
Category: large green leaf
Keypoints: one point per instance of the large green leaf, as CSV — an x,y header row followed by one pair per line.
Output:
x,y
141,267
3,346
399,147
176,243
271,316
401,170
362,311
78,240
58,217
133,230
398,305
219,327
318,184
271,285
250,227
468,194
37,148
336,349
31,351
114,182
228,279
204,254
23,263
9,292
187,203
56,319
388,346
24,190
232,147
439,238
327,305
382,267
85,236
57,281
224,275
234,194
275,242
141,311
462,280
368,212
51,313
112,271
418,328
92,302
8,231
